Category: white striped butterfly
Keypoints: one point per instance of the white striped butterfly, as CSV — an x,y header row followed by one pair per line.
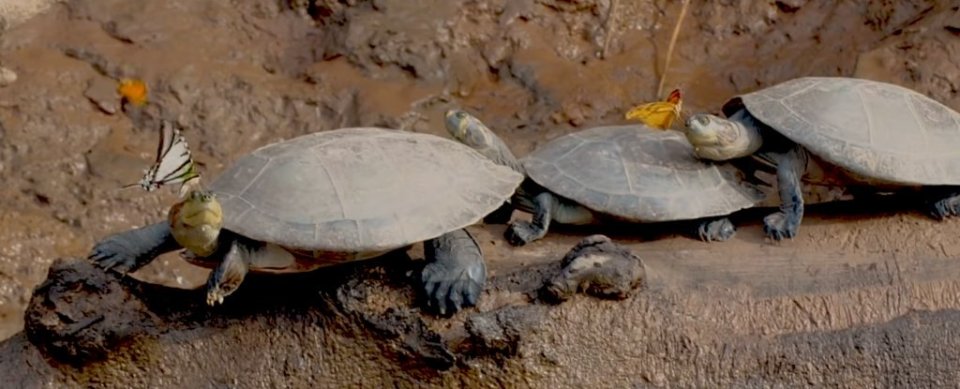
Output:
x,y
174,163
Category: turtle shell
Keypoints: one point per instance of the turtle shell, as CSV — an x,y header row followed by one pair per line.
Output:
x,y
638,174
359,190
876,130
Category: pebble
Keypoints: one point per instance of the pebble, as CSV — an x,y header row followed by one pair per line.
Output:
x,y
7,76
102,91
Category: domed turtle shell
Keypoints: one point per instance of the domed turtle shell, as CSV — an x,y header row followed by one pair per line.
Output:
x,y
360,190
638,174
873,129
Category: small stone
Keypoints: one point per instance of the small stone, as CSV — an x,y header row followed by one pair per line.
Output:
x,y
102,92
7,76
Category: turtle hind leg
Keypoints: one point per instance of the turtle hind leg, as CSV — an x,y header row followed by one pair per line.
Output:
x,y
127,251
229,274
943,202
716,230
455,275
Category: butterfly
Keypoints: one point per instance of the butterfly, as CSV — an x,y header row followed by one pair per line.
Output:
x,y
133,91
174,163
659,114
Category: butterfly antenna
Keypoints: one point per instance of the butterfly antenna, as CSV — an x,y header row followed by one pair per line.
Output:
x,y
673,41
192,184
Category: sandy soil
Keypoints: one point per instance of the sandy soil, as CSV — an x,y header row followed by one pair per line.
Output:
x,y
243,74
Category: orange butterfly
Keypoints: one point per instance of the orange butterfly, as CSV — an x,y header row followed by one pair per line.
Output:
x,y
660,114
133,90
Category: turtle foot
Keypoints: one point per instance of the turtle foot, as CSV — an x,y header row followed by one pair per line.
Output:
x,y
520,233
456,274
215,296
450,290
598,267
717,230
779,226
117,253
945,207
223,282
128,251
227,277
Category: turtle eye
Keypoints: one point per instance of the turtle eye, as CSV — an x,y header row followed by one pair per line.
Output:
x,y
696,120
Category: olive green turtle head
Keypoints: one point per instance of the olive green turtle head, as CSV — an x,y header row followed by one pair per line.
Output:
x,y
196,222
719,139
469,130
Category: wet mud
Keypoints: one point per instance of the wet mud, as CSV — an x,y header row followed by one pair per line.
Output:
x,y
778,316
865,290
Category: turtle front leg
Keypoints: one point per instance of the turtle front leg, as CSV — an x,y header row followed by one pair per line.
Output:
x,y
790,169
455,275
945,202
520,233
229,274
716,230
547,208
128,251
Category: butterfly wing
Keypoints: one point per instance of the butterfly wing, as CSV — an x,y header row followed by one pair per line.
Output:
x,y
659,114
174,163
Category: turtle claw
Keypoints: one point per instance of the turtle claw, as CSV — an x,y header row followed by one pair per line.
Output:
x,y
945,208
128,251
114,254
717,230
520,233
779,226
215,297
455,274
217,291
446,294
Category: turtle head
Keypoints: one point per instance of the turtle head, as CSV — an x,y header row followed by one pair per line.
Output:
x,y
196,222
719,139
469,130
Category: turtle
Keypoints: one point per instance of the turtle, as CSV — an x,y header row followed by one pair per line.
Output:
x,y
626,173
869,137
327,198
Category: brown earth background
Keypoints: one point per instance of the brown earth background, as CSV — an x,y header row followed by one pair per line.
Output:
x,y
241,74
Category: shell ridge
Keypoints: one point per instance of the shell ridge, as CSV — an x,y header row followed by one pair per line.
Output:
x,y
256,177
867,115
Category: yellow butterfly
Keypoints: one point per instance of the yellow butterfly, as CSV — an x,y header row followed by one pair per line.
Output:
x,y
660,114
133,91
